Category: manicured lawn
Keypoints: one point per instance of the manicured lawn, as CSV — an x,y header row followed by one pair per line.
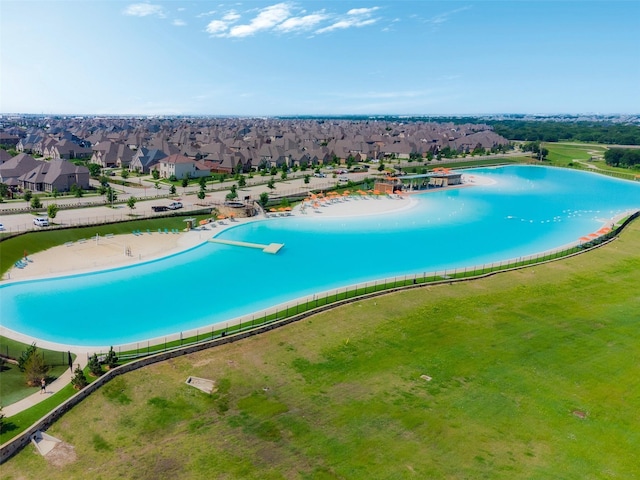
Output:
x,y
534,374
12,383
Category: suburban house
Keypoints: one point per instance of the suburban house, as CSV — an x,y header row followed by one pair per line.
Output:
x,y
181,167
111,154
15,167
144,159
66,149
56,174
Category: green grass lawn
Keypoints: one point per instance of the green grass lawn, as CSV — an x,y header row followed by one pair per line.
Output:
x,y
12,382
534,374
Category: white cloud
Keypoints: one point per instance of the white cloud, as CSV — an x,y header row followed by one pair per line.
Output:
x,y
301,23
179,23
362,11
144,10
347,23
232,16
443,17
287,17
206,14
356,17
216,27
268,18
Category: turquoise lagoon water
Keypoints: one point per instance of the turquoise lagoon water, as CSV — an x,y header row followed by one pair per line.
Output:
x,y
526,211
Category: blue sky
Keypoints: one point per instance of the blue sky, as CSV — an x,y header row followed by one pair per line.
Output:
x,y
326,57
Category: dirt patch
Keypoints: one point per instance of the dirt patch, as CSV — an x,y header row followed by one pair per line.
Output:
x,y
580,414
63,454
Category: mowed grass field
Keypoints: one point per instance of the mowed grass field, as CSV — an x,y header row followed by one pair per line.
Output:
x,y
534,374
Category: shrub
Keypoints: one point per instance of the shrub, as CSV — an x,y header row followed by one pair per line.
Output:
x,y
79,380
94,366
111,360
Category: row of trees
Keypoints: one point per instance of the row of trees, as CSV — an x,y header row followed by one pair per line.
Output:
x,y
600,132
622,157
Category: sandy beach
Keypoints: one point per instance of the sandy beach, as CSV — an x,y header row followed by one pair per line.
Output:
x,y
123,250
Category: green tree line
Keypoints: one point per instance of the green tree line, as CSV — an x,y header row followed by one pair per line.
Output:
x,y
600,132
622,157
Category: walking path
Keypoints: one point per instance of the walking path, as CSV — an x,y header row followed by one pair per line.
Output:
x,y
54,387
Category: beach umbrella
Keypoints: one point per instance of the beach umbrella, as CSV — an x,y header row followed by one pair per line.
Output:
x,y
203,222
221,217
287,209
273,210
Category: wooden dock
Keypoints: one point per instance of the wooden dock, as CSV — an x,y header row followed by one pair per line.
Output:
x,y
271,248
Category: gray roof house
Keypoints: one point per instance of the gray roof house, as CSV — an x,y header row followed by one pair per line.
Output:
x,y
57,174
145,158
15,167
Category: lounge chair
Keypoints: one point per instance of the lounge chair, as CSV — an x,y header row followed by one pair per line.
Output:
x,y
166,230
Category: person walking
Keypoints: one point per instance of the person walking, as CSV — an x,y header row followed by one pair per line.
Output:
x,y
43,386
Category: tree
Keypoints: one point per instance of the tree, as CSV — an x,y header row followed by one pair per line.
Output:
x,y
94,366
242,181
36,202
155,174
283,175
55,192
4,190
111,360
27,195
202,182
185,182
172,190
201,194
26,355
271,184
35,369
264,199
111,194
52,211
124,173
233,193
306,178
131,202
79,380
94,169
273,170
76,190
381,167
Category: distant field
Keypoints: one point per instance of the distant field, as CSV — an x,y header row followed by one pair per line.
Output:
x,y
533,374
563,153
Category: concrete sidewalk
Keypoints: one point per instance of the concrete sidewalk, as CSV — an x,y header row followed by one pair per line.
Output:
x,y
55,386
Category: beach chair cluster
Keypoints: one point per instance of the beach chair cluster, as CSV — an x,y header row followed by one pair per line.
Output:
x,y
166,230
22,263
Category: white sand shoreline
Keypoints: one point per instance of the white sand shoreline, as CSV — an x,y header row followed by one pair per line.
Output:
x,y
94,255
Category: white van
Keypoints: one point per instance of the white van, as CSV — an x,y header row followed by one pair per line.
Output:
x,y
41,222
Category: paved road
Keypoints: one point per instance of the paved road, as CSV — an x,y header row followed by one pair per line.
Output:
x,y
92,209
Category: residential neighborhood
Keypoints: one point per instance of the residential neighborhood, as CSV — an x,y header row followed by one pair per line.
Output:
x,y
197,147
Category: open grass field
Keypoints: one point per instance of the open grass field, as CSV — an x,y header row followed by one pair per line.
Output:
x,y
534,374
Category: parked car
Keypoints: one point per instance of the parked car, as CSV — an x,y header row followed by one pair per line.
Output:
x,y
159,208
41,222
343,179
1,227
174,205
319,175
